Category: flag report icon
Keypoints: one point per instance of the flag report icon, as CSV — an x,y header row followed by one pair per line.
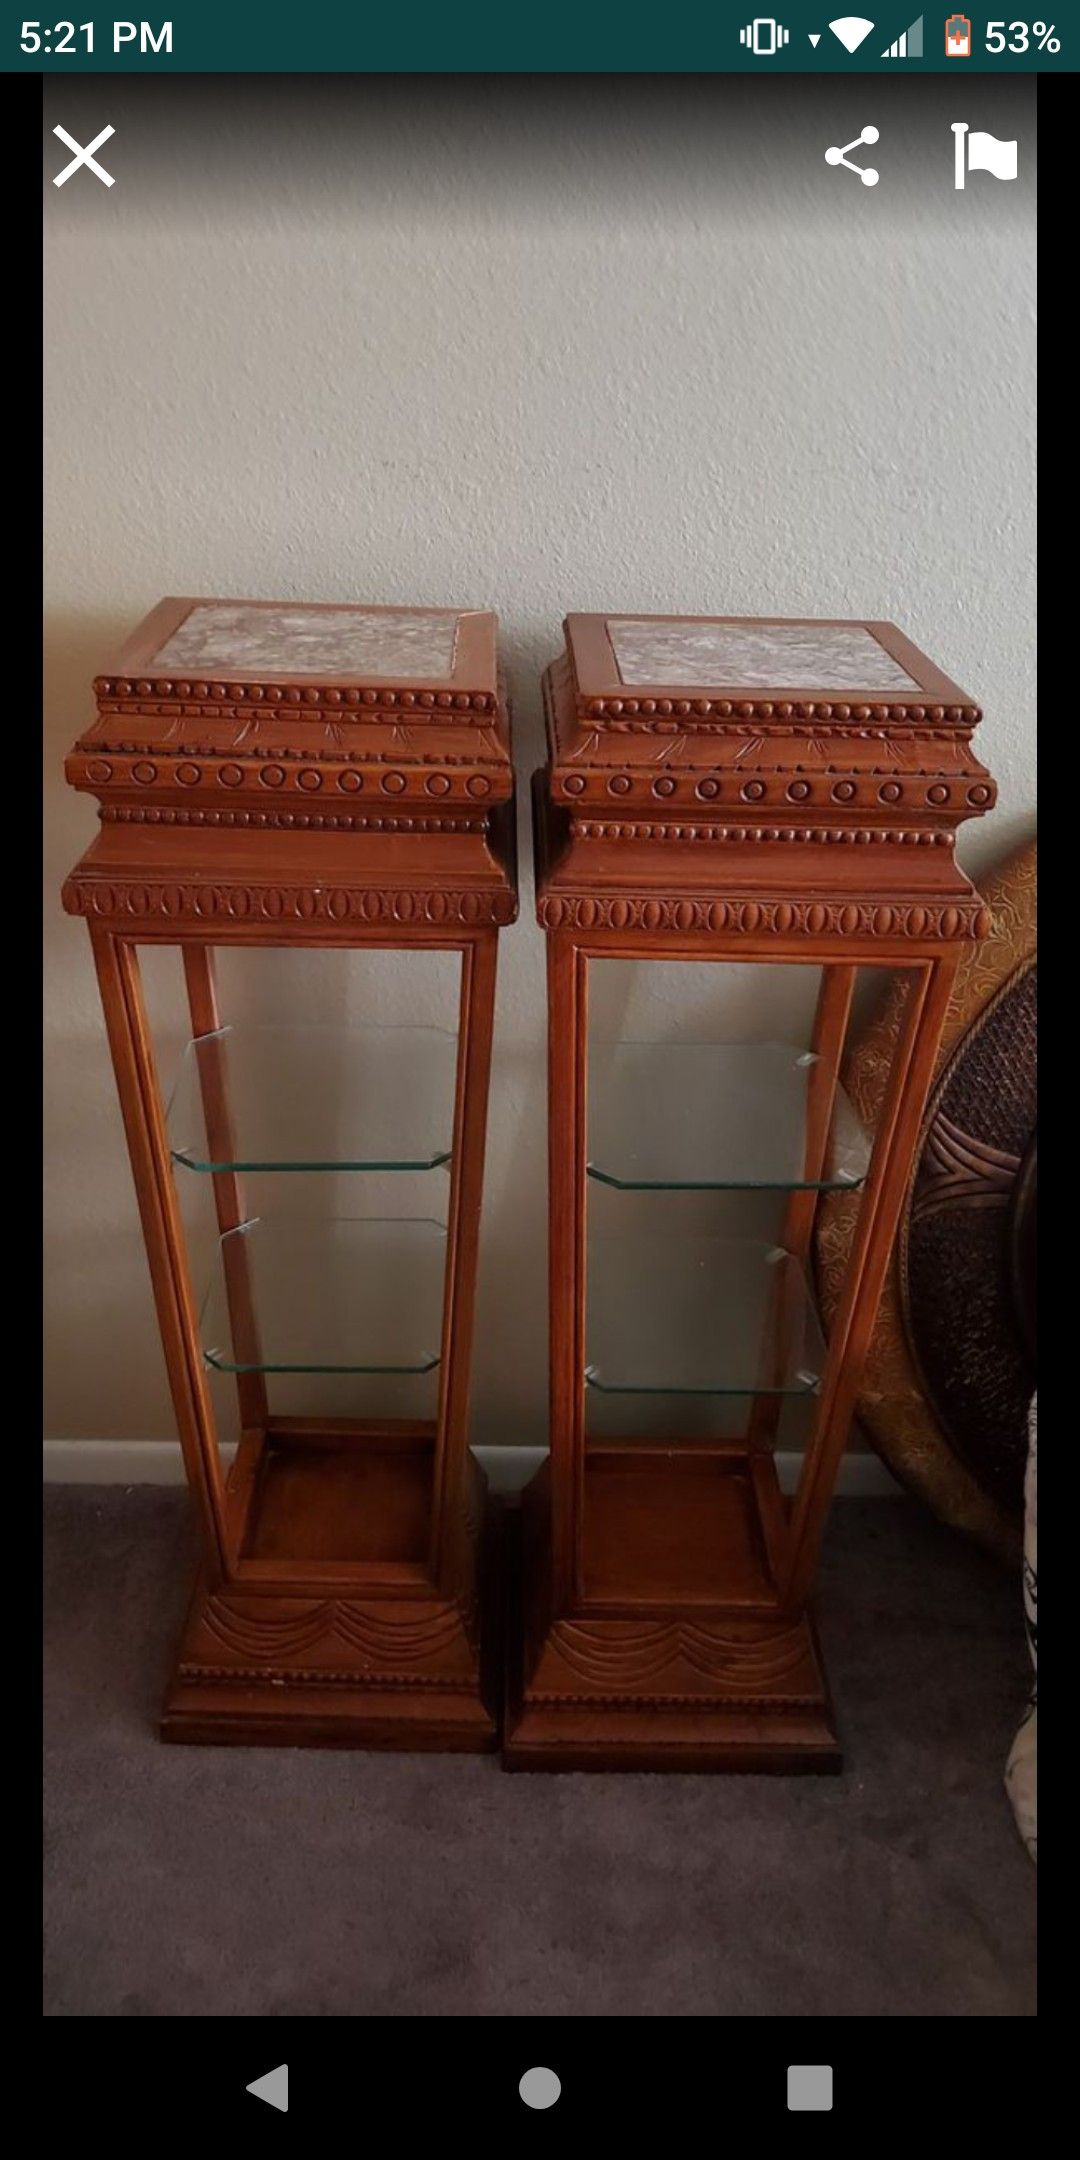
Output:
x,y
981,153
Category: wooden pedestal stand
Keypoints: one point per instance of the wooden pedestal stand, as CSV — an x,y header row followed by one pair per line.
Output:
x,y
728,791
307,777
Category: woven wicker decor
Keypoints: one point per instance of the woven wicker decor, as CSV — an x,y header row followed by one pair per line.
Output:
x,y
951,1367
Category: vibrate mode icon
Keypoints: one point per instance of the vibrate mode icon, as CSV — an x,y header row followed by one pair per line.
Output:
x,y
764,36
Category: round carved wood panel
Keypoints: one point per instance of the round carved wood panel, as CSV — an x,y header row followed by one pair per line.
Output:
x,y
951,1365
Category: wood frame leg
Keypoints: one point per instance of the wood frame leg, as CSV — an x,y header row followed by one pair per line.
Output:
x,y
128,1031
567,975
827,1047
200,981
453,1478
910,1077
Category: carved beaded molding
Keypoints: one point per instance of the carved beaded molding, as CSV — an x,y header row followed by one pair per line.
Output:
x,y
290,820
169,900
756,918
822,835
317,1676
217,700
641,715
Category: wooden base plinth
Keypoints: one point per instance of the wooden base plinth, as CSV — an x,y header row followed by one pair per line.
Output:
x,y
625,1738
343,1656
692,1671
261,1712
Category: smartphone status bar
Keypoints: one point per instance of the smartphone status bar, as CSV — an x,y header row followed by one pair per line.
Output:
x,y
269,37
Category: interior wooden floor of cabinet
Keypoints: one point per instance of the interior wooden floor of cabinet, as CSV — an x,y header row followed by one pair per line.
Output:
x,y
673,1525
359,1494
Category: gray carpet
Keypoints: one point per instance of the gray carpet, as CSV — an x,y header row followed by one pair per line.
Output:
x,y
201,1882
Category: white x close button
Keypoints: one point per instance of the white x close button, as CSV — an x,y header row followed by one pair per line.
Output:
x,y
84,156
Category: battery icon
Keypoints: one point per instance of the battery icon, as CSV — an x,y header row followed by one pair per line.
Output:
x,y
958,37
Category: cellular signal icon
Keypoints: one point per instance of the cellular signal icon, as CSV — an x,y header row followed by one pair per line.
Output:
x,y
908,46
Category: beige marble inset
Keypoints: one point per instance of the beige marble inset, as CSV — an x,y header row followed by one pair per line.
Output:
x,y
360,643
754,656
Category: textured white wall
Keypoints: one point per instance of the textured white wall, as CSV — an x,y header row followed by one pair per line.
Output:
x,y
591,345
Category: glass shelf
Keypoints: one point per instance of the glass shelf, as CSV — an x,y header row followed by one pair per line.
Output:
x,y
365,1098
331,1295
670,1116
699,1316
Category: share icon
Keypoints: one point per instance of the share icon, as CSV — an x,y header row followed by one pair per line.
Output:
x,y
839,156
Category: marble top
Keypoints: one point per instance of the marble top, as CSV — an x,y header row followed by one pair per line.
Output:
x,y
361,643
754,656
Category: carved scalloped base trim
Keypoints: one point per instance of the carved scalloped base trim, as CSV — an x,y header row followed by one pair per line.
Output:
x,y
378,1647
631,1654
328,1671
724,1694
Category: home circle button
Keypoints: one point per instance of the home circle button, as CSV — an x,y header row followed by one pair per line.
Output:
x,y
539,2088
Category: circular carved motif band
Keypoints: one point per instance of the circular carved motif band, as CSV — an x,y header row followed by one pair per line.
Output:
x,y
185,767
961,794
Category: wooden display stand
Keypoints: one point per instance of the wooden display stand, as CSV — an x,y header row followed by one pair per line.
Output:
x,y
732,791
307,777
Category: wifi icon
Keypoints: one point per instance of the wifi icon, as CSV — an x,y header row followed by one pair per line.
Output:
x,y
851,30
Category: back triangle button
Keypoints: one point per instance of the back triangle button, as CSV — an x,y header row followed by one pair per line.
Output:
x,y
273,2088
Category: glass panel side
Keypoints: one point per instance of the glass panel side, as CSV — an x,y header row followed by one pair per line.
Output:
x,y
697,1116
702,1315
334,1295
362,1098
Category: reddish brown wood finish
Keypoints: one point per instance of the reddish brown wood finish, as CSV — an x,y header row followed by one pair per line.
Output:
x,y
664,1617
228,1197
338,1602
